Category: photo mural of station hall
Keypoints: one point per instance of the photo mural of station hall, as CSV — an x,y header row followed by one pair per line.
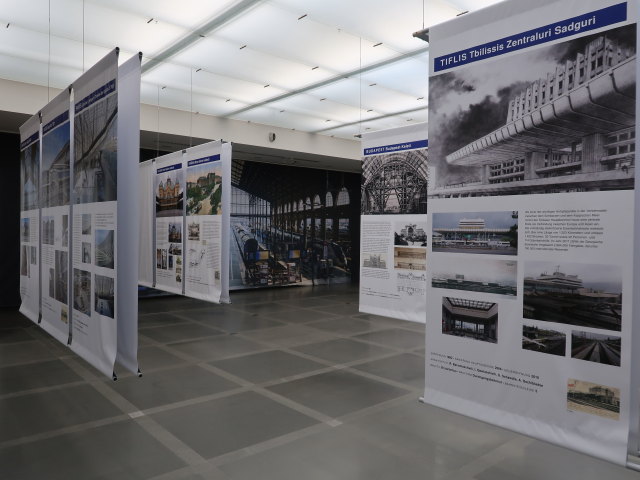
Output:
x,y
292,225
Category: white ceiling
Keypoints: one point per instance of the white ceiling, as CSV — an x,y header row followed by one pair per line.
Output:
x,y
276,62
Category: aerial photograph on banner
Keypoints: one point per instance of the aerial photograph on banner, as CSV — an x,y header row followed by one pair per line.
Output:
x,y
594,399
29,175
475,319
55,167
95,166
395,183
204,189
169,194
494,233
596,347
543,340
581,294
496,135
472,274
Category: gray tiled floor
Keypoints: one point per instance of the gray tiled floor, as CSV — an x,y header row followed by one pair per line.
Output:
x,y
284,384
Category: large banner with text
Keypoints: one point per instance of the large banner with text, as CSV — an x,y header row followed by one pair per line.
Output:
x,y
393,231
532,122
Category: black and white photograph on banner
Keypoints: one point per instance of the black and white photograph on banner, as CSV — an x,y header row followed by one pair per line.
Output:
x,y
596,347
410,234
86,252
494,233
593,398
25,230
175,249
95,166
104,303
163,265
52,283
395,183
580,294
29,175
61,276
86,224
496,133
407,258
175,232
65,231
47,233
158,258
82,291
474,319
169,194
55,188
374,260
193,229
34,255
105,252
64,314
544,340
484,275
204,189
24,261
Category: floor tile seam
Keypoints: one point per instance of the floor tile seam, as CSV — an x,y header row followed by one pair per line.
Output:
x,y
350,336
229,332
173,324
386,381
205,470
189,402
298,407
384,345
196,360
378,407
50,388
343,334
271,345
35,362
187,339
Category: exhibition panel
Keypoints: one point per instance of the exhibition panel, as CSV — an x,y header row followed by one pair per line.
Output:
x,y
146,252
393,268
55,192
30,219
532,127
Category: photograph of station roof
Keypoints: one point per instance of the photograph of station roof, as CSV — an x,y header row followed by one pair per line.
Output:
x,y
290,381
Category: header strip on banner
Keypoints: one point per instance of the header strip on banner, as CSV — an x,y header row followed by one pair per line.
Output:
x,y
96,96
397,147
548,33
199,161
59,120
32,139
177,166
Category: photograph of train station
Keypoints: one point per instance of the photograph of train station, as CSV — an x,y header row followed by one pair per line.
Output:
x,y
581,294
299,227
395,183
494,276
543,340
410,234
407,258
548,120
470,318
494,233
593,399
596,347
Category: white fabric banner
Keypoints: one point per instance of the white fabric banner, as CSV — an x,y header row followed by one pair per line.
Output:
x,y
532,156
55,192
30,219
146,197
169,191
393,230
95,214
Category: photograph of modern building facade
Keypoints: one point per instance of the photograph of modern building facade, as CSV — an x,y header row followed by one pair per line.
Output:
x,y
300,227
549,120
105,252
395,183
204,189
95,166
30,176
574,293
494,233
594,399
474,274
169,194
474,319
410,234
543,340
56,165
596,347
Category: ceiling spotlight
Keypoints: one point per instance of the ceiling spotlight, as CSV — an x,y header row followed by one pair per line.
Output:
x,y
198,70
372,84
267,85
378,44
243,46
163,87
227,100
150,20
315,68
420,98
281,111
370,110
322,99
8,25
327,120
300,18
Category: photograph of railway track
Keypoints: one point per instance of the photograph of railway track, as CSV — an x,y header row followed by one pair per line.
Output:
x,y
580,294
596,347
594,399
543,340
494,233
473,319
473,274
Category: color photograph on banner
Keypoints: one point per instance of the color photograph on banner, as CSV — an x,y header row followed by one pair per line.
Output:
x,y
393,235
532,153
95,176
169,190
55,192
30,219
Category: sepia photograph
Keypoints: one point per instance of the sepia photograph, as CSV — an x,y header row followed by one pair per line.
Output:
x,y
494,233
194,231
473,319
594,399
407,258
543,340
596,347
175,232
34,255
48,230
474,274
169,193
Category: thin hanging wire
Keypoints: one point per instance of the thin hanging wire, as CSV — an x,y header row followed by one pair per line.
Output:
x,y
49,59
423,7
360,82
83,35
191,111
158,131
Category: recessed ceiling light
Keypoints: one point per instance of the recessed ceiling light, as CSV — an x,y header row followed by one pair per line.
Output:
x,y
243,46
322,99
300,18
281,111
163,87
372,84
370,110
227,100
198,70
8,25
327,120
378,44
420,98
315,68
150,20
267,85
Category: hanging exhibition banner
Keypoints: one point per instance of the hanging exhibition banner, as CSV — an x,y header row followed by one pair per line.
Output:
x,y
55,191
206,253
393,232
146,239
532,122
30,218
95,189
169,181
